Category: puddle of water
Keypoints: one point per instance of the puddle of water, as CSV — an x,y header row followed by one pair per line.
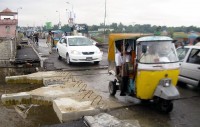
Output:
x,y
37,116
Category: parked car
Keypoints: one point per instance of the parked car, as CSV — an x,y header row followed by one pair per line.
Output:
x,y
189,57
78,49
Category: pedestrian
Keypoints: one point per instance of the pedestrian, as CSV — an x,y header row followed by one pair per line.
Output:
x,y
49,42
197,41
36,36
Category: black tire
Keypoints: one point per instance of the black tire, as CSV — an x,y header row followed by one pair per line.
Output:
x,y
145,102
59,57
112,88
96,62
182,84
68,59
165,106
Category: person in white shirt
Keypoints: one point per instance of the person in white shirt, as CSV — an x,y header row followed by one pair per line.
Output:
x,y
150,56
198,41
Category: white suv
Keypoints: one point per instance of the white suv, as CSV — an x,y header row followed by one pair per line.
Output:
x,y
78,49
189,57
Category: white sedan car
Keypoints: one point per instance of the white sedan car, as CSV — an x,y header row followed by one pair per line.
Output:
x,y
78,49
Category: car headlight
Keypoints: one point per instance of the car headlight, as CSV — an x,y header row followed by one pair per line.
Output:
x,y
75,52
165,82
98,52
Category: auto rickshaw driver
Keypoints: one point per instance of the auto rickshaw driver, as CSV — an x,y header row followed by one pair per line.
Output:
x,y
149,54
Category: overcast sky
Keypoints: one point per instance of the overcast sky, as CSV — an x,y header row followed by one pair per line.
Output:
x,y
128,12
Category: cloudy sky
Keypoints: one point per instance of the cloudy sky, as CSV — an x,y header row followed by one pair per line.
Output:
x,y
128,12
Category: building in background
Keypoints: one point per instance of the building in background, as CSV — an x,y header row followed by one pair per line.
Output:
x,y
8,23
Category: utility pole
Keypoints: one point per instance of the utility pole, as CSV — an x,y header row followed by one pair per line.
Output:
x,y
59,23
18,16
105,23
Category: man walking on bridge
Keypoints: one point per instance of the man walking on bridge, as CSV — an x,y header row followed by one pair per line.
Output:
x,y
49,41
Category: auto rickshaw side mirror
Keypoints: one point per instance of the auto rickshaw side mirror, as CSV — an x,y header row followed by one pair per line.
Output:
x,y
144,49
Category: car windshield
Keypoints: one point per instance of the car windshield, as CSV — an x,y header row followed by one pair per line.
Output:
x,y
157,52
79,41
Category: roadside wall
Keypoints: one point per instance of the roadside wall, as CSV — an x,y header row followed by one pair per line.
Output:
x,y
7,51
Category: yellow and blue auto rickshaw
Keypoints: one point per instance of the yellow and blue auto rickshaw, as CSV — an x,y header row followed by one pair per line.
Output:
x,y
57,34
145,67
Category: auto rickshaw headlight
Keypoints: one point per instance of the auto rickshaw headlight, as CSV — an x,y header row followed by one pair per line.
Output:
x,y
165,82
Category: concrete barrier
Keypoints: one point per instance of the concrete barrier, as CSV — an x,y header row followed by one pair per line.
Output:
x,y
43,95
16,98
70,109
34,78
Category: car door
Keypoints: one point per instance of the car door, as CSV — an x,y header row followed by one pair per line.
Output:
x,y
190,68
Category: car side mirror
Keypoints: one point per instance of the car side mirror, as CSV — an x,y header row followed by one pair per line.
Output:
x,y
144,49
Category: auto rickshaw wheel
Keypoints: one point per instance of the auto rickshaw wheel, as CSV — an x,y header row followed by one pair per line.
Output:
x,y
112,88
165,106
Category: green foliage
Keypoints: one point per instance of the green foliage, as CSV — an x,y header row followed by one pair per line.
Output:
x,y
146,28
136,28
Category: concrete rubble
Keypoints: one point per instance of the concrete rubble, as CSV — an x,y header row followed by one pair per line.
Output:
x,y
106,120
35,78
69,96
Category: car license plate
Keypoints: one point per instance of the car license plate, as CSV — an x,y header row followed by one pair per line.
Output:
x,y
88,58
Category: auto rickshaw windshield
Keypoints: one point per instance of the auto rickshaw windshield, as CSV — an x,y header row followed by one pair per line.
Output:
x,y
157,52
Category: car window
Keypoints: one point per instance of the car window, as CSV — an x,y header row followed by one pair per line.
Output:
x,y
79,41
181,52
194,56
63,40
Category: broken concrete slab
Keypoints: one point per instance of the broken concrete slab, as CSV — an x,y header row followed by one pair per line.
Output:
x,y
70,97
23,110
69,109
59,80
106,120
35,78
44,95
16,98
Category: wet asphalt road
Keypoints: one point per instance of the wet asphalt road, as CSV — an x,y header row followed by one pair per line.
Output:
x,y
186,112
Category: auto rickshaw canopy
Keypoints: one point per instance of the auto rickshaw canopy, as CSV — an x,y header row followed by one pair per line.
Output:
x,y
119,36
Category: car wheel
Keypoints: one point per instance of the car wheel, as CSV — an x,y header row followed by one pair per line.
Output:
x,y
59,57
68,59
96,62
182,84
